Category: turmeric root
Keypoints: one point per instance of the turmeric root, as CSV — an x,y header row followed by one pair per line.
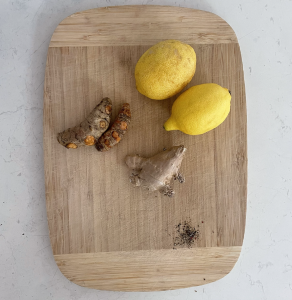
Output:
x,y
156,172
88,132
114,135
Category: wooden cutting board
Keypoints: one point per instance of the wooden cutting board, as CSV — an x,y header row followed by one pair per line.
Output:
x,y
106,234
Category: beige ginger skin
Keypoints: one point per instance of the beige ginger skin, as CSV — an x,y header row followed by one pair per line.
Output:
x,y
156,172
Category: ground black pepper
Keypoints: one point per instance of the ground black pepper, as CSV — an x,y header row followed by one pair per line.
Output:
x,y
186,234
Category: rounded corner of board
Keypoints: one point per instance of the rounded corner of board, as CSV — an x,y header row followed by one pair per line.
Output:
x,y
233,36
59,264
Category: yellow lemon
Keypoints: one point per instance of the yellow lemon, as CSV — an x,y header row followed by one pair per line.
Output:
x,y
199,109
165,69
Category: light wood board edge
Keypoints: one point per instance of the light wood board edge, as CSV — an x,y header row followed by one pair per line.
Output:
x,y
129,25
148,270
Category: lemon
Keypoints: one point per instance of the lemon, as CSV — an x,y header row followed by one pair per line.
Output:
x,y
165,69
199,109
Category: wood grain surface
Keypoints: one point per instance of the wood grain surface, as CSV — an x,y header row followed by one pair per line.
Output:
x,y
95,215
141,25
132,271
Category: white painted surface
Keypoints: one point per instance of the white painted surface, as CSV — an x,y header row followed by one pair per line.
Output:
x,y
27,267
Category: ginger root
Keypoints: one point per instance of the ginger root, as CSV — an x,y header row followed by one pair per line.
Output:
x,y
156,172
114,135
88,132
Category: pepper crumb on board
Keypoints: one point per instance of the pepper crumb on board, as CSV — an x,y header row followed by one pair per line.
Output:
x,y
186,234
